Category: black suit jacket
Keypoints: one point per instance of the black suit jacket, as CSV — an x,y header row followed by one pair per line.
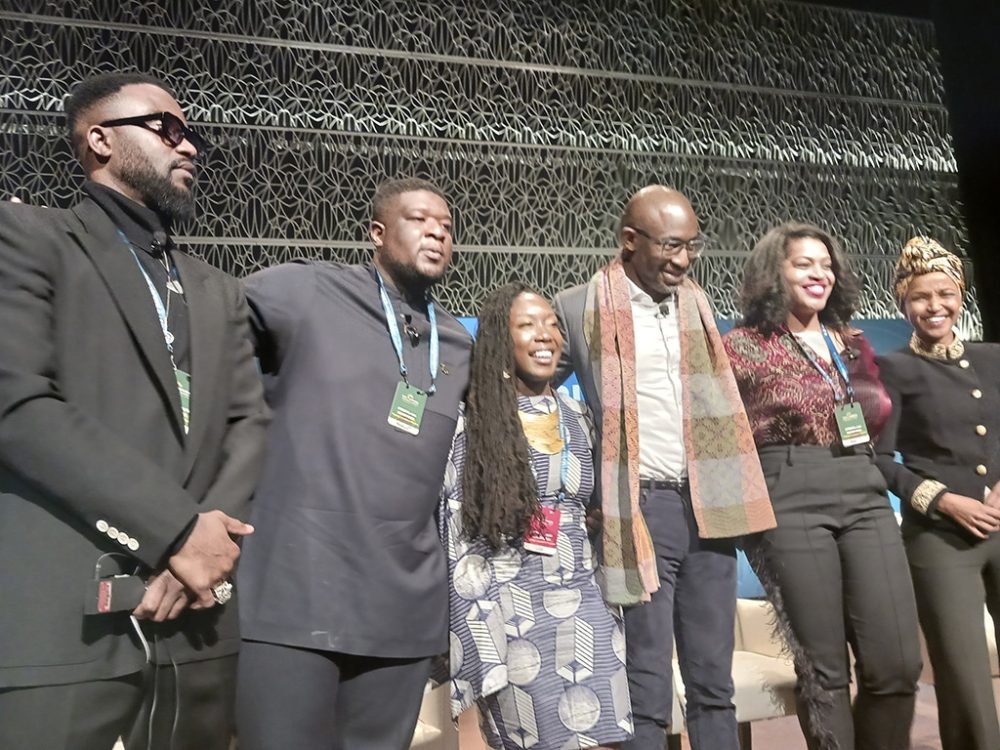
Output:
x,y
93,456
935,424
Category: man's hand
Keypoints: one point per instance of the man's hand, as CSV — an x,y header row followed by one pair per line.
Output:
x,y
165,598
209,555
595,520
979,519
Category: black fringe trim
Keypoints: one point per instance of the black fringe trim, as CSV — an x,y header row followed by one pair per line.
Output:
x,y
816,699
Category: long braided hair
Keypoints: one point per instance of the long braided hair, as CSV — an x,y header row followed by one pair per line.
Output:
x,y
500,494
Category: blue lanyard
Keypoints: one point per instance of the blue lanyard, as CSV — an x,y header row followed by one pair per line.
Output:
x,y
564,458
397,340
161,311
837,362
183,384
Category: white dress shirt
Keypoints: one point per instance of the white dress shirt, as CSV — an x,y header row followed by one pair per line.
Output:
x,y
658,386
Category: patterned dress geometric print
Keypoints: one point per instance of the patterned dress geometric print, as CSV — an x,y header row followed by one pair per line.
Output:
x,y
532,640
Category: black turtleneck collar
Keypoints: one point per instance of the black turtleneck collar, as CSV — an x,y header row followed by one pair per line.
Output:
x,y
141,225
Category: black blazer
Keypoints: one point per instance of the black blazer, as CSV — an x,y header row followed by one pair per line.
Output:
x,y
942,429
93,457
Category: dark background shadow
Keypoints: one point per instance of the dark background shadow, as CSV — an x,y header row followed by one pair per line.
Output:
x,y
968,37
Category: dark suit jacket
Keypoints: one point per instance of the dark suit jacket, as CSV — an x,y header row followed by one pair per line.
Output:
x,y
93,457
576,357
934,426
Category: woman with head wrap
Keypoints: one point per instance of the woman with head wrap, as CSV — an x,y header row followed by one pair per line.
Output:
x,y
834,566
532,640
946,424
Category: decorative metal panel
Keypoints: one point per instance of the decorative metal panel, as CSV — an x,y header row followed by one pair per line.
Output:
x,y
538,119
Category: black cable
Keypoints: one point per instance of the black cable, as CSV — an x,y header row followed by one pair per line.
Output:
x,y
177,697
156,688
156,685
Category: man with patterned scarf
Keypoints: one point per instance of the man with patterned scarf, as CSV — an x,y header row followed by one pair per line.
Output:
x,y
679,475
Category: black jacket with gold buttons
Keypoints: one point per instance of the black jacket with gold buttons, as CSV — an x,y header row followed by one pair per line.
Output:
x,y
946,424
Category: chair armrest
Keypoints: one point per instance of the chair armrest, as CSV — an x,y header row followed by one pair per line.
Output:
x,y
435,730
754,631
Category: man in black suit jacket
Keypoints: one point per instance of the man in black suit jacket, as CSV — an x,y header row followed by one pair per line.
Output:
x,y
131,428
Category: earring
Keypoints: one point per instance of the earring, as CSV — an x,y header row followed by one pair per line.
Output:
x,y
506,375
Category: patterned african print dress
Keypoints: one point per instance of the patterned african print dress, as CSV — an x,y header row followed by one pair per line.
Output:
x,y
531,637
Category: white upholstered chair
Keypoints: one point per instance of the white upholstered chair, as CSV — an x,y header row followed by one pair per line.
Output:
x,y
435,729
763,676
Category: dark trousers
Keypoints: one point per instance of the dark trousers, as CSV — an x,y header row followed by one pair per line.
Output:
x,y
93,715
953,577
696,604
187,707
300,699
837,558
81,716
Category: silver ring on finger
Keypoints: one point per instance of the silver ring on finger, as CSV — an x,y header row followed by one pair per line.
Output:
x,y
222,592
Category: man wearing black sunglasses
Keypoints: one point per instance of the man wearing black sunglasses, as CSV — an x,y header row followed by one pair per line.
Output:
x,y
131,428
167,125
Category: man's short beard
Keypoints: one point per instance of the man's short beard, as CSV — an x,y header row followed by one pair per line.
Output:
x,y
173,204
408,278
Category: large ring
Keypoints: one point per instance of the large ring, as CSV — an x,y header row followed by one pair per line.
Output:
x,y
222,592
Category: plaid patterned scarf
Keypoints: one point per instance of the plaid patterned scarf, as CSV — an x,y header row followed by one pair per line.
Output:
x,y
728,493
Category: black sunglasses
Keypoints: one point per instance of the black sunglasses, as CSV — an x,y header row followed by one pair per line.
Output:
x,y
171,129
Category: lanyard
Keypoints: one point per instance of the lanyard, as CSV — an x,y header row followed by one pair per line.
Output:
x,y
397,340
564,454
183,379
837,362
161,311
564,458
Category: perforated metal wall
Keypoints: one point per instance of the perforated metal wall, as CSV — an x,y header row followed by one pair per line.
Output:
x,y
538,119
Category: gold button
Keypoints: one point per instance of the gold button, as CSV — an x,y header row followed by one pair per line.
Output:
x,y
981,470
980,429
963,363
976,393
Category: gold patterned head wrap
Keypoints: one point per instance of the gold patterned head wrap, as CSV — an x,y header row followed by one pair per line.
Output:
x,y
923,255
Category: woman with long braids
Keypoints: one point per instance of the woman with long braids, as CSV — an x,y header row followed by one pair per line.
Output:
x,y
532,641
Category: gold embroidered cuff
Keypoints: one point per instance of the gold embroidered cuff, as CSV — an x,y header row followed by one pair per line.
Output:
x,y
925,493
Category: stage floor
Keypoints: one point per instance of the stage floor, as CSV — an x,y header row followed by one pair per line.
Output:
x,y
776,734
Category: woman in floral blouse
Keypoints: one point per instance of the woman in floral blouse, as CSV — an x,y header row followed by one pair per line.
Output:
x,y
834,565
